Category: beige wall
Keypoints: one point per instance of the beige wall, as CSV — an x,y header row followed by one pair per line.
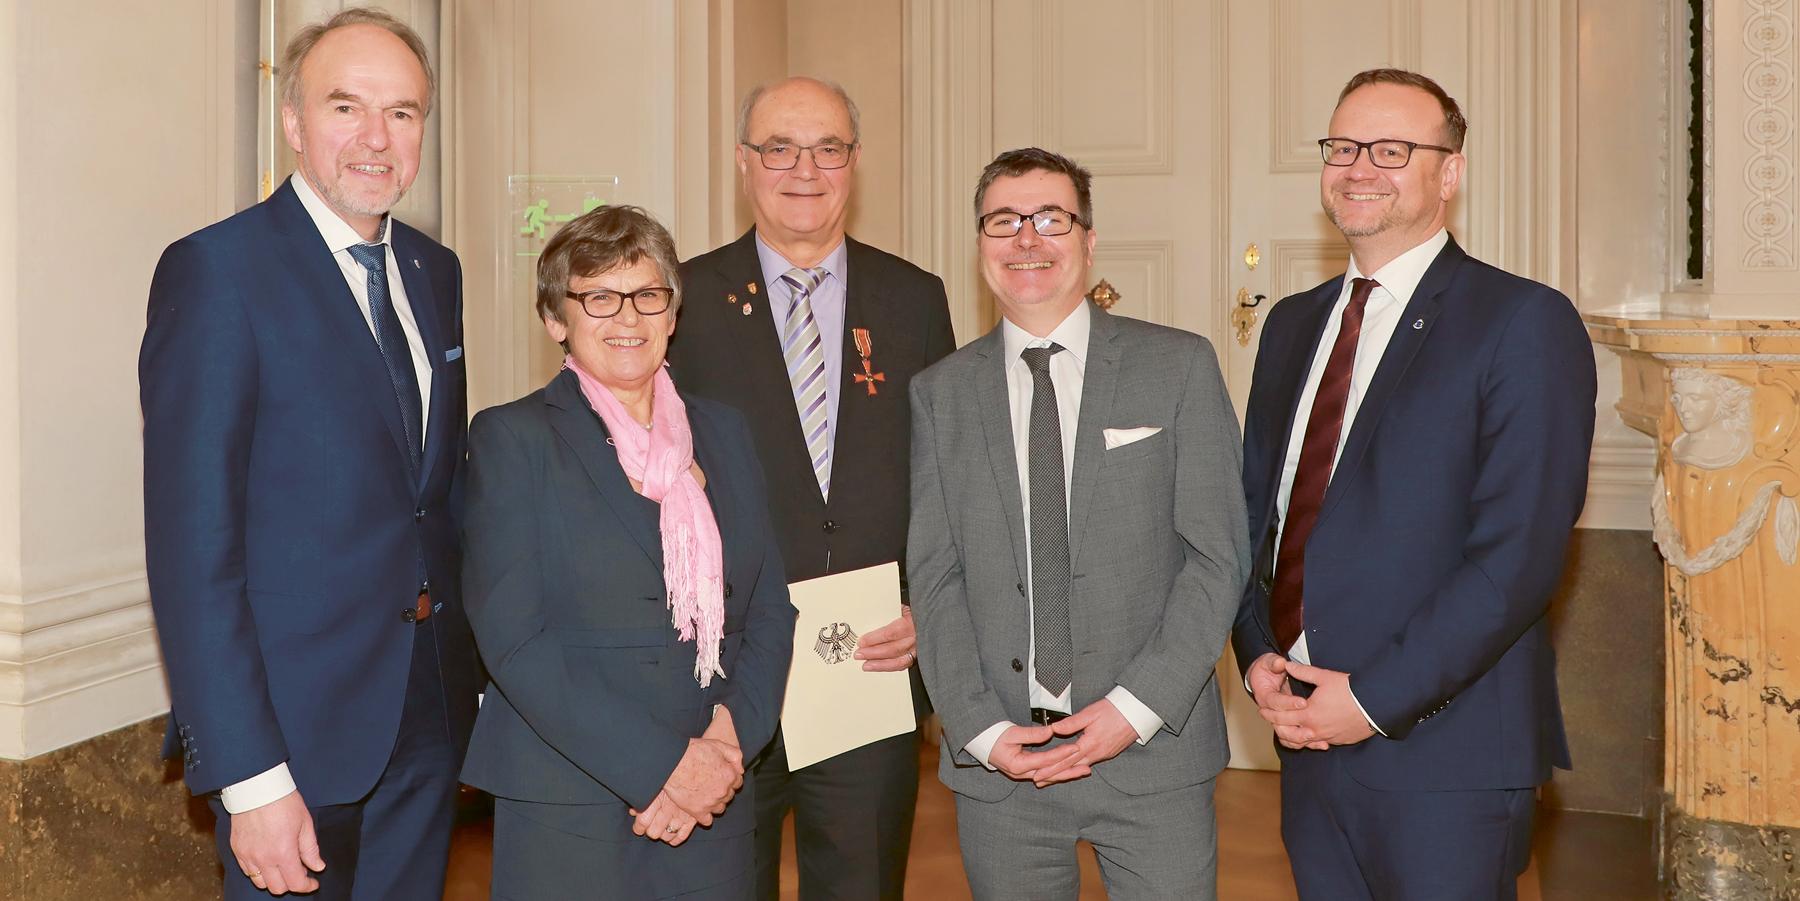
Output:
x,y
119,138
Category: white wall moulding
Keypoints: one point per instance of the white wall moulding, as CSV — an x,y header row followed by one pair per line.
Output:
x,y
1106,93
949,139
77,662
1768,170
1305,50
1303,265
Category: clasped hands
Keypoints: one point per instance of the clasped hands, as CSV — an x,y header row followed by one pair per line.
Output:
x,y
1329,717
1103,733
707,778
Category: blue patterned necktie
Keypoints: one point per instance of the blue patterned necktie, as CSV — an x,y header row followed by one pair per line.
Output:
x,y
394,350
1054,661
804,353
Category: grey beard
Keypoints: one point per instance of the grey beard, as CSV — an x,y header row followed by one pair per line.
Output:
x,y
1387,221
340,200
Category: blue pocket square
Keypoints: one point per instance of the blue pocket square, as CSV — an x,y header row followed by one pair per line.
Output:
x,y
453,354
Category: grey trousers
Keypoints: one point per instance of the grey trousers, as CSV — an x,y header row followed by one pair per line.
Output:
x,y
1157,846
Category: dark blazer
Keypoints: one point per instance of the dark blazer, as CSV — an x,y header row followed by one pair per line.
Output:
x,y
282,525
593,697
719,352
1156,542
1443,530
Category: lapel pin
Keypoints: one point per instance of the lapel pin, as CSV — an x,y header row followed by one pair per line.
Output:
x,y
415,264
752,287
1418,323
746,309
864,346
731,298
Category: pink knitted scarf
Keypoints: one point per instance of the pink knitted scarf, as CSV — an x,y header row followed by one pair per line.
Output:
x,y
662,458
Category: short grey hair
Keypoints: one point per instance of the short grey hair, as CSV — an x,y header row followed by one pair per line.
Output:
x,y
756,93
287,76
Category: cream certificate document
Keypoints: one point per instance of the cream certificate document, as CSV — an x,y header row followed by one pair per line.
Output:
x,y
832,705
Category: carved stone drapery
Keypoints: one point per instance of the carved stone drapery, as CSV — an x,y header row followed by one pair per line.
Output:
x,y
1722,398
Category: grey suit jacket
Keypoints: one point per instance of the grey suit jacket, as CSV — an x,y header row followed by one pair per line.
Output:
x,y
1156,533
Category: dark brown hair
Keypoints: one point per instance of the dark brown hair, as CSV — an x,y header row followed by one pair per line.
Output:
x,y
599,241
1455,126
1014,163
287,78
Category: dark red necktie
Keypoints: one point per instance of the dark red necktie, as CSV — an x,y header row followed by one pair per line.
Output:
x,y
1323,429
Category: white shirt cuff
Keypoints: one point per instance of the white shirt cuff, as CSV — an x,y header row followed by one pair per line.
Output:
x,y
982,746
1365,713
259,790
1141,718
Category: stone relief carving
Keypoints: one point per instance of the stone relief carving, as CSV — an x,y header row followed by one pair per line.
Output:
x,y
1715,418
1768,124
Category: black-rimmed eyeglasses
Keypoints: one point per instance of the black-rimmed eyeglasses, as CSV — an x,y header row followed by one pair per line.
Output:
x,y
826,154
605,304
1382,154
1047,222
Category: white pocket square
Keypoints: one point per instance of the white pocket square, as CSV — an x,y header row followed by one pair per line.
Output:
x,y
1122,437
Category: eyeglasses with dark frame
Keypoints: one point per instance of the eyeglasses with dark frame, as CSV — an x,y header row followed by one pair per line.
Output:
x,y
647,301
825,154
1048,222
1384,154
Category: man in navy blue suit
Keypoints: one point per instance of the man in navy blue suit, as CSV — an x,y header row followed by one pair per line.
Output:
x,y
1415,456
304,428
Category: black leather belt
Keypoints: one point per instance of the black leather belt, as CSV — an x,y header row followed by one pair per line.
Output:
x,y
1044,717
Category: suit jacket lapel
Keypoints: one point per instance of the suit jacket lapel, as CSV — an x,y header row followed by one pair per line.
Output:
x,y
1099,385
1402,347
864,309
581,429
996,422
423,300
759,348
308,257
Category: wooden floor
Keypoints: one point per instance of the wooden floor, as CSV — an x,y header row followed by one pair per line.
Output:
x,y
1576,857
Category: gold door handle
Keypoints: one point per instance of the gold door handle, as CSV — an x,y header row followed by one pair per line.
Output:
x,y
1243,314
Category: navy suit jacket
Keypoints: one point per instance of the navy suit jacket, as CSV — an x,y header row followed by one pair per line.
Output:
x,y
283,527
1444,527
593,697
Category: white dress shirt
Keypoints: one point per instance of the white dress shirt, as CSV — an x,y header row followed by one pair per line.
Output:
x,y
276,783
1067,372
1398,279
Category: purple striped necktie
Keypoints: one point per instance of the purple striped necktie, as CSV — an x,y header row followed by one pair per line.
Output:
x,y
804,353
1318,452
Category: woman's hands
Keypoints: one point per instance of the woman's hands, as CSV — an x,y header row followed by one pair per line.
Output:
x,y
704,782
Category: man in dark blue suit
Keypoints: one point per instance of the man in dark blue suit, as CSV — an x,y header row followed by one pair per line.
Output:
x,y
1415,456
304,428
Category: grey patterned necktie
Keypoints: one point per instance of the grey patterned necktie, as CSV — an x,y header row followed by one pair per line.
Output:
x,y
1054,663
394,350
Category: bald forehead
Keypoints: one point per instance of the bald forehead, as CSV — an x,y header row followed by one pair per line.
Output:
x,y
1398,105
792,101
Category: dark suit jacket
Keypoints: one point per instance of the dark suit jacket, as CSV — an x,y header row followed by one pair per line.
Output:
x,y
1443,530
719,352
282,524
593,697
1156,545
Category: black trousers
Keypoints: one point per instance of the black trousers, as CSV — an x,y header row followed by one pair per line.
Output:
x,y
394,843
853,817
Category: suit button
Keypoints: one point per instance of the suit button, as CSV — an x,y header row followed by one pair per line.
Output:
x,y
409,615
1017,666
728,589
830,527
419,514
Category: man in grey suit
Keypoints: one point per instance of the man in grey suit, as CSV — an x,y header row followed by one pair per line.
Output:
x,y
1076,552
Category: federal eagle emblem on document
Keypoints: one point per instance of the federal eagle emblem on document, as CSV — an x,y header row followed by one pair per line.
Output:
x,y
836,643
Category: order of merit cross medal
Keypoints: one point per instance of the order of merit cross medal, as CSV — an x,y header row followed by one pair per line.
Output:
x,y
868,374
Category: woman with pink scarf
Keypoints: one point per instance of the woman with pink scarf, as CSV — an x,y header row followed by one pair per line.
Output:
x,y
627,595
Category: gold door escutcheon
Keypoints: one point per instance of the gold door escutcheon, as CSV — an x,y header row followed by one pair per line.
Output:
x,y
1243,315
1251,257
